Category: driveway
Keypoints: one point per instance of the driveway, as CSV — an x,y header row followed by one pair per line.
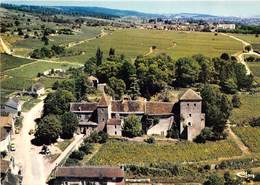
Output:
x,y
26,154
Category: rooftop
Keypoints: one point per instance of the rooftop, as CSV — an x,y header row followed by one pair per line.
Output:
x,y
90,172
190,95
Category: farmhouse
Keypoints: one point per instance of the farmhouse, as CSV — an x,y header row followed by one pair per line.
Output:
x,y
37,89
6,125
88,175
13,105
108,114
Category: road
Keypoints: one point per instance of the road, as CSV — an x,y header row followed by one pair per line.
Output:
x,y
240,56
26,154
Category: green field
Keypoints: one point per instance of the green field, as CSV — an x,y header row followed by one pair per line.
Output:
x,y
116,152
9,62
133,42
255,68
250,137
251,38
250,107
24,77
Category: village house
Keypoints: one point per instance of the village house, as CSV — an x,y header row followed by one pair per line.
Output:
x,y
108,115
83,175
6,129
8,174
37,89
13,106
226,26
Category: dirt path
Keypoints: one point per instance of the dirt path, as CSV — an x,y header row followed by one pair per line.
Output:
x,y
5,47
72,44
240,56
26,154
151,50
245,150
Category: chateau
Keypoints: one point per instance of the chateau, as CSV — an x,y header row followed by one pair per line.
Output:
x,y
108,115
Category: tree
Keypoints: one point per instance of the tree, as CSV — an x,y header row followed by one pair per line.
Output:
x,y
86,148
99,57
236,101
229,86
45,40
225,56
117,87
214,180
206,134
48,129
58,102
217,108
132,126
248,48
134,89
187,71
80,86
107,70
69,124
111,53
90,66
127,70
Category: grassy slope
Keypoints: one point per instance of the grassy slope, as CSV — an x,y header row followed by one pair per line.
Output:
x,y
133,42
9,62
142,153
255,68
250,136
251,38
250,107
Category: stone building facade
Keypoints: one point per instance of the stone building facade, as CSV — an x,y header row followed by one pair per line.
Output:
x,y
108,114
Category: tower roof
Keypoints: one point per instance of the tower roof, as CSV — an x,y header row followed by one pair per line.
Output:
x,y
104,101
190,95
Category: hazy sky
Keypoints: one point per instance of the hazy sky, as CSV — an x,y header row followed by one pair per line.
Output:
x,y
240,8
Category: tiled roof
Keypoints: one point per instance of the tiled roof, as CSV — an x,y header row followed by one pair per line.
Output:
x,y
159,108
89,172
190,95
114,121
6,121
104,101
3,133
84,107
128,106
4,166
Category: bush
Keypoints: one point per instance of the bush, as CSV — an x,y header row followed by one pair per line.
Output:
x,y
86,148
79,155
150,140
97,137
71,162
3,154
236,101
132,126
214,180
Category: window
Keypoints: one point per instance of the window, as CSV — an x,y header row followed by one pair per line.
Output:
x,y
189,123
115,133
194,104
115,126
190,115
188,104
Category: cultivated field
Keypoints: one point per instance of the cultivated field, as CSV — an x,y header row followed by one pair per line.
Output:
x,y
9,62
133,42
255,68
116,152
250,137
250,107
251,38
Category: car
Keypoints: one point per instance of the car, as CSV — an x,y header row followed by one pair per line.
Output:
x,y
45,150
31,132
12,147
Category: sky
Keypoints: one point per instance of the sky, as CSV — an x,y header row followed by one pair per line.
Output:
x,y
238,8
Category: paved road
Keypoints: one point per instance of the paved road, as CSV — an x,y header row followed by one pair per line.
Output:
x,y
26,154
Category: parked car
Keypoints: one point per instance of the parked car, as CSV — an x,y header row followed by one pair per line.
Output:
x,y
12,147
31,132
45,150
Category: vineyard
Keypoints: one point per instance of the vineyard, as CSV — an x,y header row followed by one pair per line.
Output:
x,y
250,137
115,152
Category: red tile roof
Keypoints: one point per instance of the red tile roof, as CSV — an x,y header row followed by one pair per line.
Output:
x,y
128,106
90,172
159,108
84,107
4,166
3,133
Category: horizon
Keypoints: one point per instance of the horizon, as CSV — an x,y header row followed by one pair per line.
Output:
x,y
234,8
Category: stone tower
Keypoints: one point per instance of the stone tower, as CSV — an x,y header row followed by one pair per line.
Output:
x,y
103,109
192,120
